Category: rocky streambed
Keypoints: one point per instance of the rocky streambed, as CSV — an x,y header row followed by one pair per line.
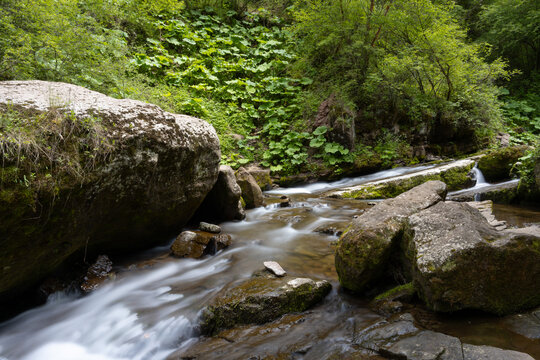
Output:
x,y
158,306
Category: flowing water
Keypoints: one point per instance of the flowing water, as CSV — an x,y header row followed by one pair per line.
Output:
x,y
150,310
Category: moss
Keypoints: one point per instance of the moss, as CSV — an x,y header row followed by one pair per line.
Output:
x,y
497,164
406,288
455,178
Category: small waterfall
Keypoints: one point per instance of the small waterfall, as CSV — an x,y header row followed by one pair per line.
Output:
x,y
480,180
479,177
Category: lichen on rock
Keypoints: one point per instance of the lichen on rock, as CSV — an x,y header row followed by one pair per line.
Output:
x,y
148,186
261,299
363,251
459,261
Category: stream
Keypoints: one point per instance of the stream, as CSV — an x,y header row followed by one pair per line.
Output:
x,y
150,309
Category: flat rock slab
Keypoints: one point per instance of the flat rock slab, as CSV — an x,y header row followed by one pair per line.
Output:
x,y
275,268
455,175
500,193
261,299
426,345
527,325
473,352
401,339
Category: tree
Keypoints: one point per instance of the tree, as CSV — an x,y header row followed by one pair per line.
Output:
x,y
513,28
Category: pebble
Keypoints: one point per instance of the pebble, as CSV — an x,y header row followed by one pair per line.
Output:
x,y
274,268
211,228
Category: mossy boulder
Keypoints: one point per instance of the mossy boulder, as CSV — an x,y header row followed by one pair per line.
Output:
x,y
455,175
363,251
459,261
251,192
261,299
496,164
154,174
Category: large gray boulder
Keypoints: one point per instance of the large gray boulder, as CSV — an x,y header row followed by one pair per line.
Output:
x,y
261,299
156,172
363,251
459,261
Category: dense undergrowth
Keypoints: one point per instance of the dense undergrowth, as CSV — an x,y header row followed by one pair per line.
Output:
x,y
303,86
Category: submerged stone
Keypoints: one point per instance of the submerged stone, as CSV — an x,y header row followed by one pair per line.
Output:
x,y
260,300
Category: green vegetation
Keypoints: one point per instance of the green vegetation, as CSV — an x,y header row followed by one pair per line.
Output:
x,y
299,85
44,152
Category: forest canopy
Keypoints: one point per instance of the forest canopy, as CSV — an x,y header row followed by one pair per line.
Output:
x,y
300,84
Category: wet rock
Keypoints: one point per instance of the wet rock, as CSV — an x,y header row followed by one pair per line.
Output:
x,y
486,209
332,229
251,192
527,325
473,352
390,302
459,261
455,175
284,201
223,202
211,228
363,251
156,174
425,345
261,176
97,273
385,333
190,244
496,165
260,300
222,241
275,268
504,193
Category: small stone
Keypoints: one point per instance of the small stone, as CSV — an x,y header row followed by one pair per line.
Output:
x,y
284,201
189,244
211,228
296,283
274,268
222,241
97,273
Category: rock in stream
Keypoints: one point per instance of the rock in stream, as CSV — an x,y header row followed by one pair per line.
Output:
x,y
261,299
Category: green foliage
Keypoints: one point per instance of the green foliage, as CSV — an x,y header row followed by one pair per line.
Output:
x,y
390,148
511,26
526,171
403,60
242,63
